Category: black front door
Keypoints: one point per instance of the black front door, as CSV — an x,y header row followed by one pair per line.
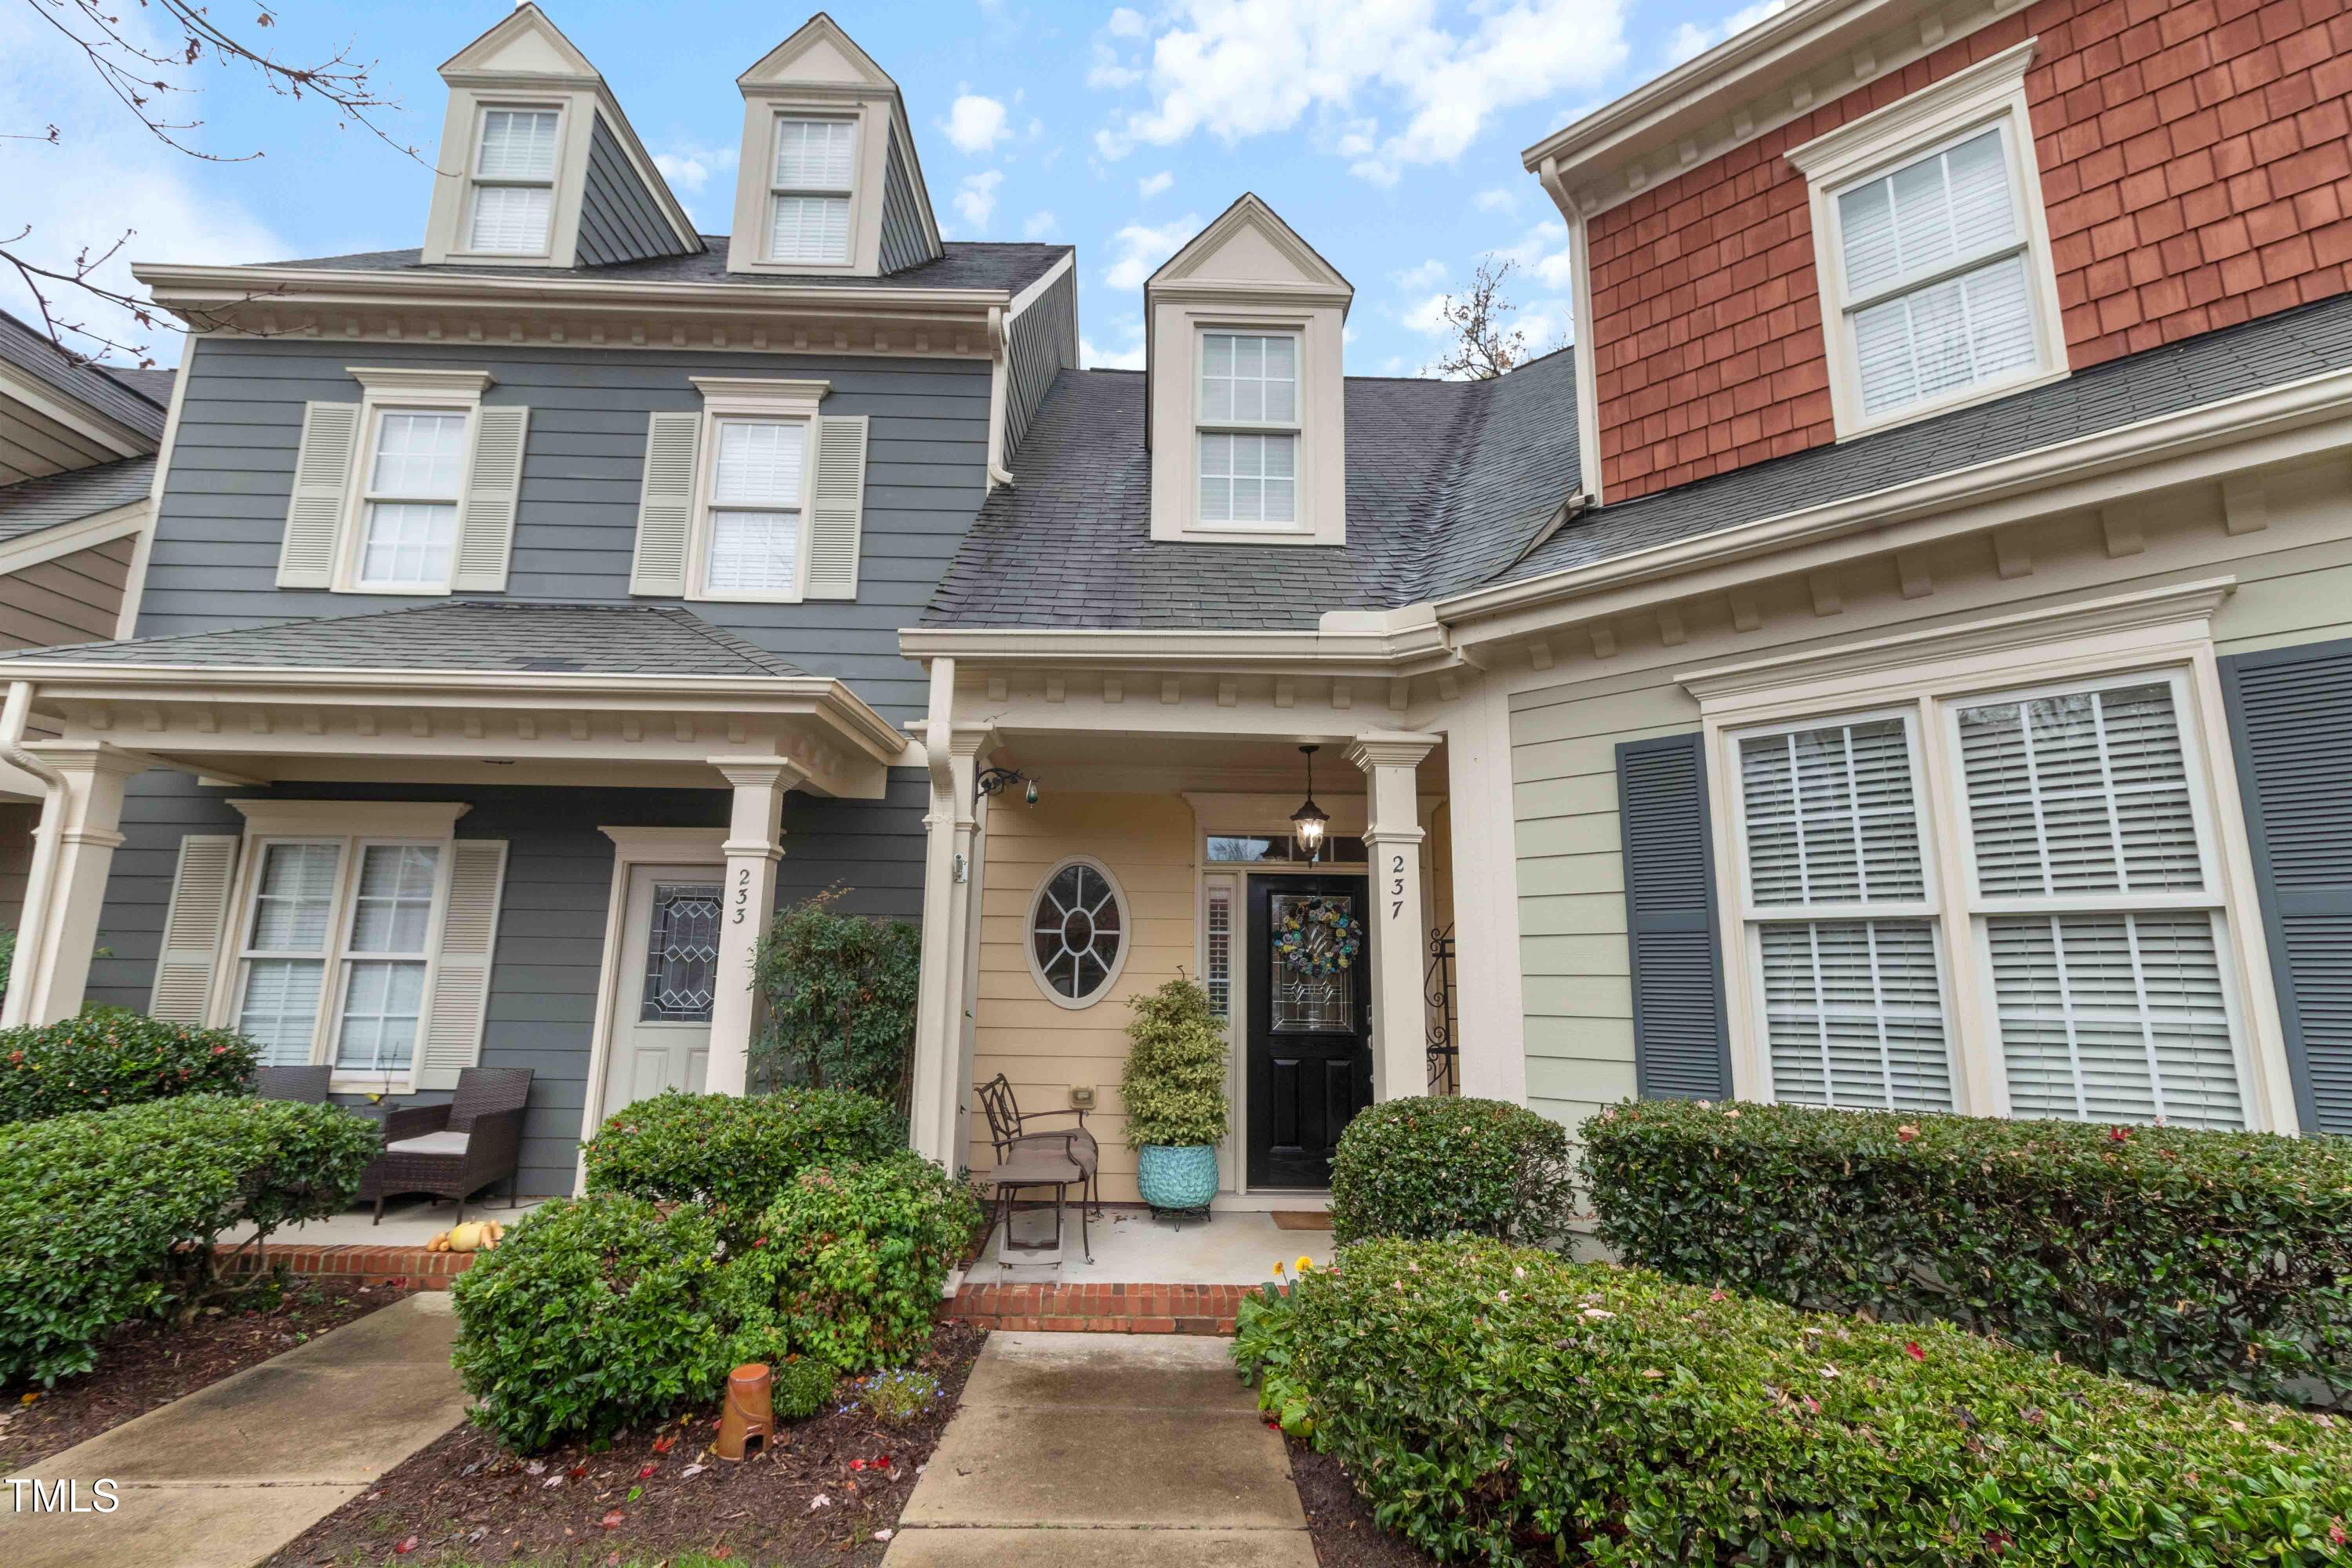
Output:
x,y
1311,1034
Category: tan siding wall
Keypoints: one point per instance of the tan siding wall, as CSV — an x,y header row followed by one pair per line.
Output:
x,y
17,820
2296,586
74,598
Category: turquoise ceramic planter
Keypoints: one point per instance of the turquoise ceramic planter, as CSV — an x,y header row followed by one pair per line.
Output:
x,y
1177,1178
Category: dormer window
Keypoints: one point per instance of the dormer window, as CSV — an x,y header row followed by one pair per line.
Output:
x,y
514,182
809,190
1248,430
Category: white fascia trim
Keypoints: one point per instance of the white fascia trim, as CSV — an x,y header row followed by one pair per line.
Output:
x,y
1412,649
2250,416
384,818
1045,280
310,285
66,538
82,418
411,380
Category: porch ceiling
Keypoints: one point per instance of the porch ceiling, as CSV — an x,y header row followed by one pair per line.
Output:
x,y
1097,759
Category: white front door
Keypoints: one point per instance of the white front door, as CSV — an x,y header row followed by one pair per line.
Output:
x,y
670,959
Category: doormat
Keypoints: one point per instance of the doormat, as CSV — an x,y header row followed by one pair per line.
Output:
x,y
1301,1219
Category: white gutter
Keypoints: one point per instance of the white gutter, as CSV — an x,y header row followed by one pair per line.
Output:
x,y
306,283
1419,645
32,918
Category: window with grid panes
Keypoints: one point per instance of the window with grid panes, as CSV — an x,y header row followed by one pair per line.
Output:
x,y
809,189
409,524
514,182
1248,436
754,537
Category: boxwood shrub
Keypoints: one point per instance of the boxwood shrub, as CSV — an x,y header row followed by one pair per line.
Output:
x,y
735,1154
846,1267
592,1315
1431,1167
100,1060
1498,1405
106,1216
2189,1260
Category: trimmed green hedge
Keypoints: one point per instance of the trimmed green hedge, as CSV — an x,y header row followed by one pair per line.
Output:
x,y
2189,1259
111,1215
736,1154
1498,1404
1434,1166
103,1059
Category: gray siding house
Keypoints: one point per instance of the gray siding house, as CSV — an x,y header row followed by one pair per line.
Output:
x,y
519,620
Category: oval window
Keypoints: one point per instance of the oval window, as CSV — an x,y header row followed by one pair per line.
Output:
x,y
1077,933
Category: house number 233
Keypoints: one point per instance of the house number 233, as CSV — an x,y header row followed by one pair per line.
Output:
x,y
743,899
1396,886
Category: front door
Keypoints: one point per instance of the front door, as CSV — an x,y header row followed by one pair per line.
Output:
x,y
669,961
1310,1027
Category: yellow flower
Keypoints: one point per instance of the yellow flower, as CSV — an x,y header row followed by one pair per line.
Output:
x,y
1278,1268
1306,1264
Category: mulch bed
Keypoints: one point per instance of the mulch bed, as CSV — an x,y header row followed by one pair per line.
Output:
x,y
1340,1523
652,1496
144,1364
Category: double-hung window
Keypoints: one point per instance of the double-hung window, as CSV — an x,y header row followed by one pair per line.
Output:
x,y
514,182
809,189
410,492
336,951
1249,429
753,547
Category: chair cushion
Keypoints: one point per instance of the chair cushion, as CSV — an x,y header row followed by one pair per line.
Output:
x,y
1076,1146
443,1142
1037,1164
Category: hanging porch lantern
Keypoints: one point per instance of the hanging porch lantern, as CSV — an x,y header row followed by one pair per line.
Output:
x,y
1307,823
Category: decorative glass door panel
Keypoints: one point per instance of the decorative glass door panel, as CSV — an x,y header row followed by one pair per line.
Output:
x,y
1313,990
681,952
1308,1029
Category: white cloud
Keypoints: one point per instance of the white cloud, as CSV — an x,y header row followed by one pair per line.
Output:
x,y
1498,200
1690,39
1239,68
975,198
1040,226
1126,23
1108,73
688,167
1426,316
1152,185
1139,249
1428,275
974,123
1128,331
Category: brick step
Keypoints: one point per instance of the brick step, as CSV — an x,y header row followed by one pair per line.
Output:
x,y
1101,1309
367,1264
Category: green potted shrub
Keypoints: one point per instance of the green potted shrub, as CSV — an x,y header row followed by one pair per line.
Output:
x,y
1174,1090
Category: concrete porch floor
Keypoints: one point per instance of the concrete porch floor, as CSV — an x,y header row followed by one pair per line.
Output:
x,y
407,1222
1130,1247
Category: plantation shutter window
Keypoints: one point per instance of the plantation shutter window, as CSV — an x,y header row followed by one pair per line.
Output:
x,y
414,482
285,957
514,182
2100,917
755,509
195,923
384,957
809,190
1246,451
756,497
1681,1039
1845,948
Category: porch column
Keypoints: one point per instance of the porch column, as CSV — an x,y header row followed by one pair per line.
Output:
x,y
747,900
81,816
936,1093
1492,1026
1392,836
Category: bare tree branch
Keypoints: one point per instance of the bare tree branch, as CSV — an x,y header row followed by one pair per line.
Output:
x,y
1484,344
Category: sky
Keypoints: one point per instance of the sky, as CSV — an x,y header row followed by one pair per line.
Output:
x,y
1387,132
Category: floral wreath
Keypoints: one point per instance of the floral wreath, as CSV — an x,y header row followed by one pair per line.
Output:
x,y
1292,933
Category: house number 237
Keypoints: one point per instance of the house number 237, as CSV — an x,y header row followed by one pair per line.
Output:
x,y
1396,886
743,899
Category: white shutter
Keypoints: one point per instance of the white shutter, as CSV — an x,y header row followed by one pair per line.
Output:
x,y
493,481
838,514
461,977
322,481
1854,1014
665,513
194,925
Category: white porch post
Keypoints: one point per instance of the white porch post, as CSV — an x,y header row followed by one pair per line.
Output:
x,y
747,900
1392,836
83,813
951,885
1492,1033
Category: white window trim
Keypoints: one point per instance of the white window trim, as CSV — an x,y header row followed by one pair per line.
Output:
x,y
756,187
1988,94
1294,426
1029,932
351,825
728,398
461,242
2133,638
403,389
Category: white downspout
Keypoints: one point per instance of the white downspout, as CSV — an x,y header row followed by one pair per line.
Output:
x,y
34,916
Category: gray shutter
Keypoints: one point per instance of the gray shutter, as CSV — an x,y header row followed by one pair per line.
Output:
x,y
2290,729
665,513
322,481
461,973
840,507
195,922
493,480
1681,1046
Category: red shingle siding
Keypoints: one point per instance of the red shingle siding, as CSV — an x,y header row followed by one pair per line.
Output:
x,y
2196,157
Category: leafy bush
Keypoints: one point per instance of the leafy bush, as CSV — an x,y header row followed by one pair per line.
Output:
x,y
1431,1167
592,1315
735,1154
98,1061
846,1265
1492,1403
840,992
898,1398
803,1386
1173,1088
2183,1259
111,1215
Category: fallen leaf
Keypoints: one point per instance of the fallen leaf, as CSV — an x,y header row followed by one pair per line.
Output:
x,y
611,1521
646,1470
662,1444
882,1534
1911,1348
550,1483
405,1547
691,1471
536,1466
818,1501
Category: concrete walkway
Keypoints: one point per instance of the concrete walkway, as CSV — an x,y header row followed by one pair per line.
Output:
x,y
224,1477
1105,1451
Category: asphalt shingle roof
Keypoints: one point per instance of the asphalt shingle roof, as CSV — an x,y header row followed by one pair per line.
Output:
x,y
461,634
966,264
29,506
136,398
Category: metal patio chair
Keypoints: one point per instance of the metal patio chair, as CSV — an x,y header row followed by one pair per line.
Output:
x,y
1060,1157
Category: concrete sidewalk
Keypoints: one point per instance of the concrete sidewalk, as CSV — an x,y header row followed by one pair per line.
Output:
x,y
1104,1450
224,1477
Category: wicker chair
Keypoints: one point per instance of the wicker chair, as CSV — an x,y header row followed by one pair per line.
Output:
x,y
1010,1131
456,1150
307,1085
